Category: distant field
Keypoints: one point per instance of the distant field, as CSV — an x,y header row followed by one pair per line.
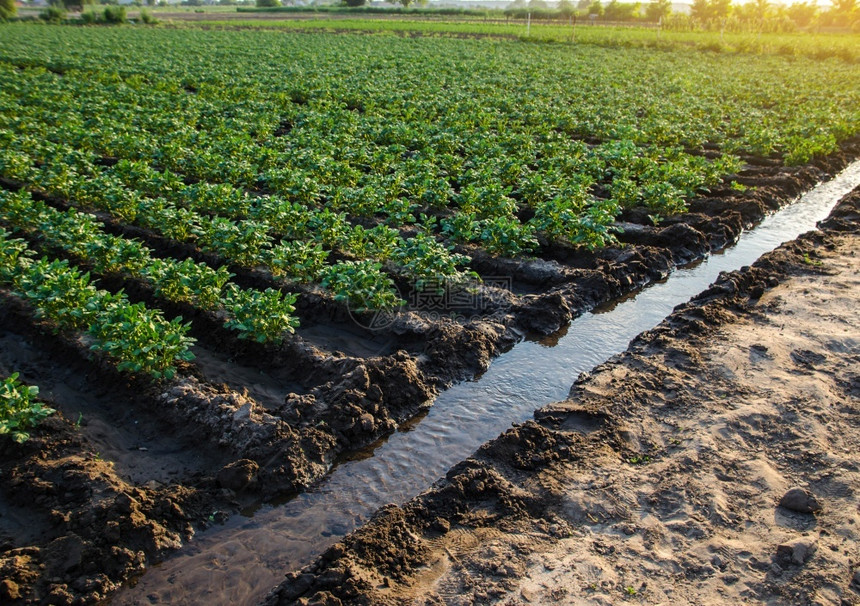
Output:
x,y
818,46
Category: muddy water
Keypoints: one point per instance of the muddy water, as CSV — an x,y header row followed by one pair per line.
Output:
x,y
239,562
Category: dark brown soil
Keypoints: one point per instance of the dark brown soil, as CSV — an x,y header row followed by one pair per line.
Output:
x,y
88,529
662,478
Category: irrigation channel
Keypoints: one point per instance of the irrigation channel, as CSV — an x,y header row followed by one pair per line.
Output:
x,y
240,561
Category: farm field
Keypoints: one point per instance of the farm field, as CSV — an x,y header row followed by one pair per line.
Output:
x,y
229,257
809,45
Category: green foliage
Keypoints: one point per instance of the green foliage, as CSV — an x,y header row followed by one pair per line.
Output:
x,y
114,14
19,409
658,10
336,153
424,260
361,284
53,14
140,340
244,243
506,236
621,11
187,282
8,9
61,294
268,3
262,316
298,261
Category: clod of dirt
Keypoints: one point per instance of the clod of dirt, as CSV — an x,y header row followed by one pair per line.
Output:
x,y
239,475
800,500
796,552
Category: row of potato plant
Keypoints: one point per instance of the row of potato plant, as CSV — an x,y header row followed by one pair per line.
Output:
x,y
134,337
262,316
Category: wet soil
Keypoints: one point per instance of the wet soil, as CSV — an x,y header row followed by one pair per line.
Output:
x,y
713,462
247,422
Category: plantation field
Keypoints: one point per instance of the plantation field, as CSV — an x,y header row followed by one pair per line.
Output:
x,y
810,45
279,246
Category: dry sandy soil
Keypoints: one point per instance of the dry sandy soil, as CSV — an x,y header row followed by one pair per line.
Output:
x,y
715,462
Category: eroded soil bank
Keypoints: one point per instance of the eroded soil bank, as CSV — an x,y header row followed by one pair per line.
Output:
x,y
668,473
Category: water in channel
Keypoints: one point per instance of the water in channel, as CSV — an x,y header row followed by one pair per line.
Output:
x,y
240,561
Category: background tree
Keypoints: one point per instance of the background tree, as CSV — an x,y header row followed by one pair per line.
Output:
x,y
802,13
8,9
761,9
538,5
565,8
621,11
71,4
658,9
721,9
595,8
268,3
701,10
844,12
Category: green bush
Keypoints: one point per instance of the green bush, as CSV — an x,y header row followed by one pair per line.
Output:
x,y
115,14
53,14
8,9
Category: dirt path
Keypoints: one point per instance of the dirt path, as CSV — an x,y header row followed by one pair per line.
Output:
x,y
660,479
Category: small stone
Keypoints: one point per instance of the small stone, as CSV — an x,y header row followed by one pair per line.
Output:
x,y
367,422
242,414
800,500
796,552
856,579
238,475
9,590
442,525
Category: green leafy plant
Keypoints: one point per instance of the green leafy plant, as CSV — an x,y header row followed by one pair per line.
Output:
x,y
507,236
361,284
424,260
244,243
298,261
262,316
19,408
187,282
140,340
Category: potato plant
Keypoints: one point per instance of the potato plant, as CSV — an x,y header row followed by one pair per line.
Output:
x,y
19,408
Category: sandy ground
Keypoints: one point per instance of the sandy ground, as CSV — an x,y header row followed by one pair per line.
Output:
x,y
772,404
660,480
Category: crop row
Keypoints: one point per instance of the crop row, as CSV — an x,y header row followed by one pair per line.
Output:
x,y
135,338
489,195
261,316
